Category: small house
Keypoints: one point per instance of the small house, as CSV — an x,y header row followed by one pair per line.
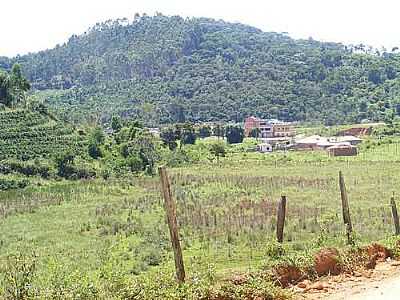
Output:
x,y
342,150
352,140
264,148
309,143
154,131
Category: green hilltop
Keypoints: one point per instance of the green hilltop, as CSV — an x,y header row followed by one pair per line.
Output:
x,y
162,69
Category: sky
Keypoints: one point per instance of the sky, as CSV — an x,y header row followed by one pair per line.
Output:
x,y
33,25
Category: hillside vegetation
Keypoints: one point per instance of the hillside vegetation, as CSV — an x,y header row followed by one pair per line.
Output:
x,y
26,134
169,69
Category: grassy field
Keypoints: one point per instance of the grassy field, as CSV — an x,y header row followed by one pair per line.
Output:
x,y
80,234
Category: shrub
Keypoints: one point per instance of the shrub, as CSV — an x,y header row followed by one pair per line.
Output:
x,y
177,158
218,149
67,169
27,168
11,183
94,150
152,256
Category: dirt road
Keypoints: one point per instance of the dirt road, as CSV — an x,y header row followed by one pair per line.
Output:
x,y
388,289
381,284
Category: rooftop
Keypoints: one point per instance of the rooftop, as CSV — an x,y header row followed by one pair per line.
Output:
x,y
269,121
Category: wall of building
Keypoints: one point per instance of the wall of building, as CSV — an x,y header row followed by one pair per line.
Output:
x,y
343,151
268,129
282,130
249,124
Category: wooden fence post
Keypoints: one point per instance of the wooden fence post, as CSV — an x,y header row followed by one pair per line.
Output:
x,y
170,209
395,216
345,209
281,219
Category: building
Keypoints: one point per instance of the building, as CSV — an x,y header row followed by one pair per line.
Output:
x,y
311,143
265,128
352,140
342,150
268,128
283,130
316,142
264,148
154,131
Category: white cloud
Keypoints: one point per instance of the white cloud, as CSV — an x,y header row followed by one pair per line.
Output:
x,y
27,25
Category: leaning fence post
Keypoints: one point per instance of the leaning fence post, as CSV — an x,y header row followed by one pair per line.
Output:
x,y
345,209
170,209
395,215
281,219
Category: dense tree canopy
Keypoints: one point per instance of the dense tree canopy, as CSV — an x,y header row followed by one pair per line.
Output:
x,y
13,86
169,69
234,134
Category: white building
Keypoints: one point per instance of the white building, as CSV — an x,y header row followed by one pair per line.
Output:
x,y
264,148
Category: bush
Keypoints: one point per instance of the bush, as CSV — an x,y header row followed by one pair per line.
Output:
x,y
177,158
134,163
27,168
95,151
218,149
67,169
152,257
275,250
11,183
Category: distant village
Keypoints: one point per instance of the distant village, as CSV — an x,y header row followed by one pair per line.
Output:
x,y
273,134
278,135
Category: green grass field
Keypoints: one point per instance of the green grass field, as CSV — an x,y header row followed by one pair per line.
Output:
x,y
84,233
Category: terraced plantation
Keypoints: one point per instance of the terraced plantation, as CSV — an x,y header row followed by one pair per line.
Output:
x,y
26,135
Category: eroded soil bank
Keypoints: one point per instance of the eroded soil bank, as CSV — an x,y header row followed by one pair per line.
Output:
x,y
382,283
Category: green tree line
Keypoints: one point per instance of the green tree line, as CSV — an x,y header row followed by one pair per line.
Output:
x,y
161,69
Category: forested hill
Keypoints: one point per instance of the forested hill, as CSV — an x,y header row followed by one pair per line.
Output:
x,y
170,69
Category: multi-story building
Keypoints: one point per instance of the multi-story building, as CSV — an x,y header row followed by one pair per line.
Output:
x,y
268,128
283,130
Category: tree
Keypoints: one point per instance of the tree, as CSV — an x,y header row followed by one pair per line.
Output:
x,y
13,86
234,134
389,117
204,131
188,135
116,123
140,153
149,114
375,76
177,112
65,164
96,141
218,131
255,133
5,96
169,135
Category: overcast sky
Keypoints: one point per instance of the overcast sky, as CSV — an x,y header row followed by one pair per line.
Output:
x,y
32,25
